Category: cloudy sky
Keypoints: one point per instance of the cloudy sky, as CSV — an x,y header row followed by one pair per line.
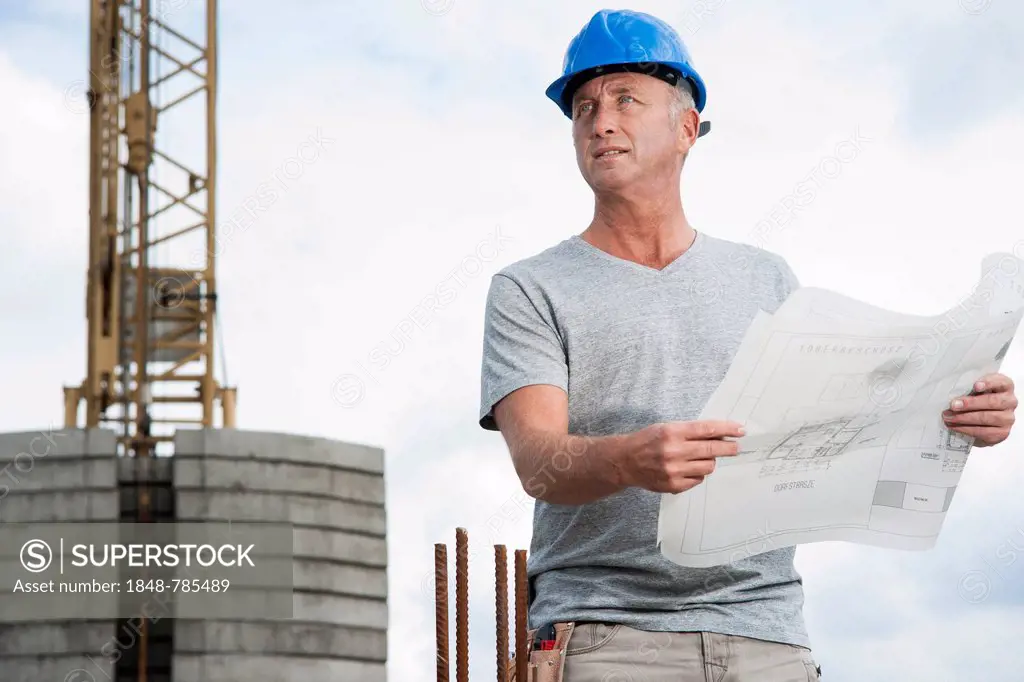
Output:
x,y
441,162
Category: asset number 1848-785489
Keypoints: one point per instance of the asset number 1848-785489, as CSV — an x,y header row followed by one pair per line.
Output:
x,y
177,585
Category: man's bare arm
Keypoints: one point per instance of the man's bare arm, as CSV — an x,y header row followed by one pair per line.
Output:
x,y
561,468
553,465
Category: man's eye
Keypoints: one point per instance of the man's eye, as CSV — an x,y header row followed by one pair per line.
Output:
x,y
626,98
583,108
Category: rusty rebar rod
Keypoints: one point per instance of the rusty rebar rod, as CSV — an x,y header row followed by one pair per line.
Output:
x,y
501,609
461,605
522,603
441,608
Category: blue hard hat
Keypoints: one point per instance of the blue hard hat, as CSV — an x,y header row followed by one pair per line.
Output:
x,y
624,40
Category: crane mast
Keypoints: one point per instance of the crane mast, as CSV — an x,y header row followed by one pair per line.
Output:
x,y
151,293
151,290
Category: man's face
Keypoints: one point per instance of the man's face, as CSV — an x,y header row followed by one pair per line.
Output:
x,y
623,132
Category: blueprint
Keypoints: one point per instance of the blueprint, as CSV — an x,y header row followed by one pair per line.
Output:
x,y
842,406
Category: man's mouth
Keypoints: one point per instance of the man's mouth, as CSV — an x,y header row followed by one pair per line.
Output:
x,y
608,153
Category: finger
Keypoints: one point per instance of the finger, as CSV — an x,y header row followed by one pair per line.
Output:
x,y
697,468
709,449
993,383
998,418
987,434
683,484
688,477
709,428
985,401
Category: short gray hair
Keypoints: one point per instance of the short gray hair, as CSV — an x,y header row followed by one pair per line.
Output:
x,y
682,100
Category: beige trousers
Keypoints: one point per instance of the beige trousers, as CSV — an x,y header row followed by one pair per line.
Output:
x,y
615,653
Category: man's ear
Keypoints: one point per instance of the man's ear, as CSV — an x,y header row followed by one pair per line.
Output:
x,y
690,128
686,130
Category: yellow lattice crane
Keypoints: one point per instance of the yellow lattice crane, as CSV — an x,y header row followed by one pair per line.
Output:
x,y
151,293
151,314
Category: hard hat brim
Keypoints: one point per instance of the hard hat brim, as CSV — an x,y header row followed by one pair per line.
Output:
x,y
561,91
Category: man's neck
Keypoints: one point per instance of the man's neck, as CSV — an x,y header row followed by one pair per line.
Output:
x,y
652,234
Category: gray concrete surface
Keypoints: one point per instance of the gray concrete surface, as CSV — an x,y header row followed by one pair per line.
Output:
x,y
77,668
311,639
253,474
47,442
333,494
236,444
51,476
58,507
344,579
197,503
54,639
225,668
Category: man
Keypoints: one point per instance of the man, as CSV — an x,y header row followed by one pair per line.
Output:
x,y
599,354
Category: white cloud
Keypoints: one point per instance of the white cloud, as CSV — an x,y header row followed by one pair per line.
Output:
x,y
417,179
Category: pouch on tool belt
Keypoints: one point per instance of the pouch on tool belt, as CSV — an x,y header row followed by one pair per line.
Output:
x,y
549,666
531,634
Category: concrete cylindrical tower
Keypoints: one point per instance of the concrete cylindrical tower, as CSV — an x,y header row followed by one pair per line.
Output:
x,y
333,494
55,476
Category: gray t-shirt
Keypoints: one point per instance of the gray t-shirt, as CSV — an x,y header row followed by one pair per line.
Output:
x,y
634,346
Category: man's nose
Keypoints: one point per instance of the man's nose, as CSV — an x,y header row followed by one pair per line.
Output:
x,y
605,122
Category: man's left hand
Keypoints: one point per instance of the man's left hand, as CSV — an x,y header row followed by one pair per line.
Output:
x,y
986,414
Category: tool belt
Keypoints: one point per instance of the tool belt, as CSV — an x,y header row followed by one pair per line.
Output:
x,y
544,665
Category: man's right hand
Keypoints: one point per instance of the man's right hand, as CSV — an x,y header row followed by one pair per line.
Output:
x,y
673,457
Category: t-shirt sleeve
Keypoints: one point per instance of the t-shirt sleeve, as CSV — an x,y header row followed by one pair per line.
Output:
x,y
788,280
521,347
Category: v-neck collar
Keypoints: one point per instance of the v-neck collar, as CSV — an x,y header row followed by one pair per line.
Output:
x,y
680,260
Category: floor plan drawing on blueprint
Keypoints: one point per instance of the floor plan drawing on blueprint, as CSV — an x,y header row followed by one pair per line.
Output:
x,y
842,406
